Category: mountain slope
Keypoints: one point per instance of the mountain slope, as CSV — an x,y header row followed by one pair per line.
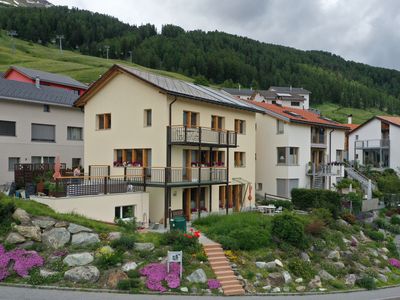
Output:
x,y
26,3
221,58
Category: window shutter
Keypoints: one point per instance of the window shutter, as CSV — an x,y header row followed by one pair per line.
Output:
x,y
41,132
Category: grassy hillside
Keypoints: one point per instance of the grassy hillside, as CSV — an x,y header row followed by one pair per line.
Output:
x,y
81,67
339,113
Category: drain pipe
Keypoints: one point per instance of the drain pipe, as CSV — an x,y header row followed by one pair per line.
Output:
x,y
330,154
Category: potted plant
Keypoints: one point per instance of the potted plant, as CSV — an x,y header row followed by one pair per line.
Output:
x,y
39,180
56,190
46,187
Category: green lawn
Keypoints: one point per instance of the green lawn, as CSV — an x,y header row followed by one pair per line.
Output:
x,y
339,113
81,67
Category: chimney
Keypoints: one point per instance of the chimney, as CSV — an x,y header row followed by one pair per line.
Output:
x,y
239,86
37,82
290,87
350,119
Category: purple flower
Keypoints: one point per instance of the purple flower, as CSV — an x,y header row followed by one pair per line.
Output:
x,y
23,260
213,284
156,273
394,262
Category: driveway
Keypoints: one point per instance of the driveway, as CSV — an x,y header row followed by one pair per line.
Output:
x,y
17,293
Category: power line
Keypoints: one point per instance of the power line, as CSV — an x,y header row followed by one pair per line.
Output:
x,y
60,37
11,34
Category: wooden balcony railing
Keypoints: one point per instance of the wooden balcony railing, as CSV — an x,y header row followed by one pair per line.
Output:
x,y
182,135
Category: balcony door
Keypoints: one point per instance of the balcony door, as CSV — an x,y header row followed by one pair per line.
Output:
x,y
317,157
193,201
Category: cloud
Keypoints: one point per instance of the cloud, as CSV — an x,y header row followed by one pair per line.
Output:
x,y
360,30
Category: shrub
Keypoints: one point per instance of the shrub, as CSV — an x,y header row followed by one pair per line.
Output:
x,y
315,227
366,282
126,242
349,218
288,228
306,199
36,279
322,214
356,201
6,211
395,220
128,284
391,246
301,268
337,284
376,235
128,226
133,274
180,241
106,261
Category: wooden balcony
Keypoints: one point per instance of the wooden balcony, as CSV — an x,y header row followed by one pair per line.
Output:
x,y
175,177
184,135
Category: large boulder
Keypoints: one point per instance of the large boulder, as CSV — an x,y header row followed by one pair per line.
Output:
x,y
30,232
114,277
82,274
144,246
60,224
78,259
47,273
115,235
75,228
266,265
276,279
85,238
287,277
56,238
198,276
15,238
325,275
315,283
334,254
350,279
339,265
43,222
130,265
22,216
305,257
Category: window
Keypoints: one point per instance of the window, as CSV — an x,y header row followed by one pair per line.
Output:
x,y
356,137
132,157
240,126
240,159
259,186
190,119
217,122
125,212
284,186
295,103
104,121
11,162
280,127
339,155
7,128
76,162
46,108
147,118
36,159
288,156
43,133
49,160
74,133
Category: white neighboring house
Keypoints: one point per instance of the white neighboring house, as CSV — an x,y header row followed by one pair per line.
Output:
x,y
37,123
376,143
297,148
284,96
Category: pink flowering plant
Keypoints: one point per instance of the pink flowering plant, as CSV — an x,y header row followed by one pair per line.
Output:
x,y
394,262
157,277
22,261
213,284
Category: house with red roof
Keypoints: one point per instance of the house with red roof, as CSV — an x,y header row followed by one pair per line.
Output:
x,y
297,148
375,143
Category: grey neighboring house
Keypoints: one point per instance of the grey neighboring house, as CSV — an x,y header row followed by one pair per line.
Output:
x,y
38,123
244,94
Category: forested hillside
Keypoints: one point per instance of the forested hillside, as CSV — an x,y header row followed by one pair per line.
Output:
x,y
218,57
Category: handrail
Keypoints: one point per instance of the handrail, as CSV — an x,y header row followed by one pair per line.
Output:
x,y
205,127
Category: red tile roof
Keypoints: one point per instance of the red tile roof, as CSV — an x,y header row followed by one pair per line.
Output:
x,y
390,119
297,115
351,126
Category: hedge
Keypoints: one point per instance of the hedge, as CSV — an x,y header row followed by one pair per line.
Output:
x,y
306,199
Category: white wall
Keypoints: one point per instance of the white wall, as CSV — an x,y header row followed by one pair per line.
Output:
x,y
369,131
99,207
24,114
394,135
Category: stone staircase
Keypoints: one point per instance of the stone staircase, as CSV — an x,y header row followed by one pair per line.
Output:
x,y
222,269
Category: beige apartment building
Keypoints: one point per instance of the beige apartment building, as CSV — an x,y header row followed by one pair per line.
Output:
x,y
190,146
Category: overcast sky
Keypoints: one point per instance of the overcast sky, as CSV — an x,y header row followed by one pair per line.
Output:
x,y
361,30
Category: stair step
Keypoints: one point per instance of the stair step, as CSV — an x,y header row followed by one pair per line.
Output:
x,y
230,272
235,292
232,286
228,282
215,264
226,278
217,257
222,268
212,246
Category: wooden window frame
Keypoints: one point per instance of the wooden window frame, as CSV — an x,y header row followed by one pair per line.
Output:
x,y
240,159
105,123
240,126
